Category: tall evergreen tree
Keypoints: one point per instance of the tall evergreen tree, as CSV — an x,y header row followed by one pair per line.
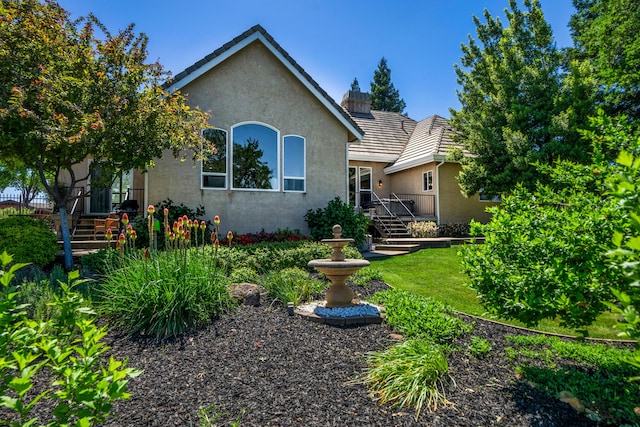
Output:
x,y
518,107
606,35
384,96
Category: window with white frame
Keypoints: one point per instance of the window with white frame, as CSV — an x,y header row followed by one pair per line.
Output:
x,y
294,163
214,164
427,181
255,155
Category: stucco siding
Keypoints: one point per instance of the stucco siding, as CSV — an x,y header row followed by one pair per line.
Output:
x,y
253,85
454,207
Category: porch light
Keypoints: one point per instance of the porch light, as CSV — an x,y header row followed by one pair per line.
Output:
x,y
380,183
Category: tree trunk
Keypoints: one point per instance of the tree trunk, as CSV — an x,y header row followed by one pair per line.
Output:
x,y
66,238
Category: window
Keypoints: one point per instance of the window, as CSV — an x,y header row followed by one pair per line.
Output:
x,y
214,166
427,181
294,163
255,155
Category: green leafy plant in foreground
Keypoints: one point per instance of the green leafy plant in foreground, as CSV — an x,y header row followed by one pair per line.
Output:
x,y
413,373
594,373
420,317
165,294
479,347
68,346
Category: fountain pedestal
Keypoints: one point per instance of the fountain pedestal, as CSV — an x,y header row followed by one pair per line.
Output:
x,y
338,269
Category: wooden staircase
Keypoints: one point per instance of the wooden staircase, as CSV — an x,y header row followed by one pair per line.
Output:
x,y
82,241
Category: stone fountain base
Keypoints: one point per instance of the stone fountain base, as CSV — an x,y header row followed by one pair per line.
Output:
x,y
359,313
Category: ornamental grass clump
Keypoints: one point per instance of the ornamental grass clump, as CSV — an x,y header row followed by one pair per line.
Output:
x,y
422,229
414,373
165,294
292,285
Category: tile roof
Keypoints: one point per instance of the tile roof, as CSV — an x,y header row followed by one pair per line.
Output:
x,y
258,33
401,141
385,136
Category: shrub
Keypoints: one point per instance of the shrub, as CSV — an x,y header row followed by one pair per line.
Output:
x,y
264,258
69,347
292,285
421,229
165,294
243,274
545,256
420,317
279,235
454,230
7,212
29,240
364,276
414,373
321,221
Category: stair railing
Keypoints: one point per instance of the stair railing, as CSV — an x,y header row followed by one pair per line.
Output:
x,y
399,200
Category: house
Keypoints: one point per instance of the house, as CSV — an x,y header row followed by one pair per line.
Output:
x,y
284,146
281,142
401,167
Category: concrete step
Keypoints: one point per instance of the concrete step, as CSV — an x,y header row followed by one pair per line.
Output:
x,y
406,248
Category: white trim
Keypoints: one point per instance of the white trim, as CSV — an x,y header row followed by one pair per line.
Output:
x,y
365,157
429,172
438,219
278,167
418,161
204,68
304,165
226,174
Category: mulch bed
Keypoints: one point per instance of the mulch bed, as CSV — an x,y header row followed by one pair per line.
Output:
x,y
264,368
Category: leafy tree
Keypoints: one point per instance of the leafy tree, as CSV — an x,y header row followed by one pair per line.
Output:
x,y
518,108
384,96
71,90
546,251
249,171
606,35
24,179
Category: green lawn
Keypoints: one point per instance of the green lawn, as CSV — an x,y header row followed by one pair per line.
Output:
x,y
436,273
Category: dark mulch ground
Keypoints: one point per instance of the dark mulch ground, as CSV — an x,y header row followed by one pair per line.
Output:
x,y
265,368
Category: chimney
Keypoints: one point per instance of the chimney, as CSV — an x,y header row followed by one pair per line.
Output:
x,y
356,102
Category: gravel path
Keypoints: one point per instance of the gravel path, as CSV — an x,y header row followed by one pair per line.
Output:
x,y
265,368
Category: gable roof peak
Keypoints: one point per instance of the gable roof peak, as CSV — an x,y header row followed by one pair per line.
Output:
x,y
258,33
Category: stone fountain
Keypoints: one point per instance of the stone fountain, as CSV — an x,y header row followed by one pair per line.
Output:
x,y
338,269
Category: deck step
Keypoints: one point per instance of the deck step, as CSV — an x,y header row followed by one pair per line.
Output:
x,y
406,248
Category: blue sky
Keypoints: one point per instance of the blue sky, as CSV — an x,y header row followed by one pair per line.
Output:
x,y
333,40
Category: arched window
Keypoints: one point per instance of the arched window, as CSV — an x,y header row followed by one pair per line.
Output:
x,y
294,163
214,165
255,157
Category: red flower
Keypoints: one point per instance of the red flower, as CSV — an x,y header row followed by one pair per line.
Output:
x,y
125,219
151,209
216,220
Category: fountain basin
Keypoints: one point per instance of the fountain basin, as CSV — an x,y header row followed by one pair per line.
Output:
x,y
338,294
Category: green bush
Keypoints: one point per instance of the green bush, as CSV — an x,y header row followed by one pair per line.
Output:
x,y
29,239
321,221
454,230
63,354
7,212
165,294
99,262
544,256
420,317
292,285
267,257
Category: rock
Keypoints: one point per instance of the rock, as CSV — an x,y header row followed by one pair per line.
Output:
x,y
245,293
574,402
